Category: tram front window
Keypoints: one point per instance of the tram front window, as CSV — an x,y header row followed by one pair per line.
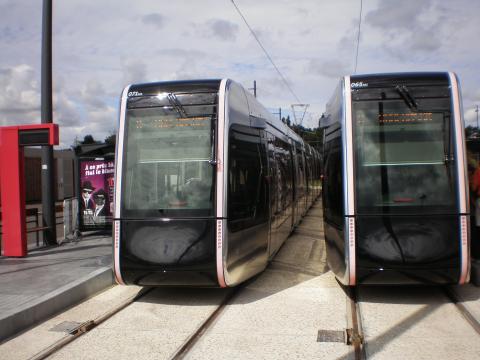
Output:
x,y
404,150
167,161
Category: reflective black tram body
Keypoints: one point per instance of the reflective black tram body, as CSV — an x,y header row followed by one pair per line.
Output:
x,y
394,188
208,184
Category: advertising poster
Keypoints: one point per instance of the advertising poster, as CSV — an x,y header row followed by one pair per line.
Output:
x,y
96,193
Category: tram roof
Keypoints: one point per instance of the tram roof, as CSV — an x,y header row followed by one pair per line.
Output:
x,y
152,88
385,78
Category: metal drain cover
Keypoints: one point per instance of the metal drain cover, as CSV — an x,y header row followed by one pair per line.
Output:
x,y
331,336
66,326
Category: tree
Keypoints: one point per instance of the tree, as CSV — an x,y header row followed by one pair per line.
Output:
x,y
88,139
471,132
314,137
111,139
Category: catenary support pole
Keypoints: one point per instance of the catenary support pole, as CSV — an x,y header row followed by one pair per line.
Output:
x,y
476,110
48,201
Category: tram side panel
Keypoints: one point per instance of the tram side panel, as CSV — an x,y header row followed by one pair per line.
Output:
x,y
246,238
318,174
310,176
333,203
333,186
258,154
310,161
281,179
281,159
301,183
274,188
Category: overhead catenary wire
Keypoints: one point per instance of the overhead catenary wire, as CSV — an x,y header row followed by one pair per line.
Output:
x,y
266,52
358,36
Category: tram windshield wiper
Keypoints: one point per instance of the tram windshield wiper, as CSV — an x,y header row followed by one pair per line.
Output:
x,y
407,97
172,99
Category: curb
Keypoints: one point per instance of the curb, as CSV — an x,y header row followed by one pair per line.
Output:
x,y
54,302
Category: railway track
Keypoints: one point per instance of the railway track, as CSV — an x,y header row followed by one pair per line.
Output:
x,y
180,353
402,322
354,332
202,329
88,326
363,346
467,314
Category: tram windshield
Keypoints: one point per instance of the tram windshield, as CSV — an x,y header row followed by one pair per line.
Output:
x,y
404,150
168,153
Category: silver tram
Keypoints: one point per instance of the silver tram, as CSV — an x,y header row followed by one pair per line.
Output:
x,y
395,197
208,184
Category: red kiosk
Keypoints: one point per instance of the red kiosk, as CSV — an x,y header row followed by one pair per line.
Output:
x,y
12,180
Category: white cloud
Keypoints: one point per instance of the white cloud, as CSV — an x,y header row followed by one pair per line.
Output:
x,y
222,29
101,46
19,95
155,19
470,116
390,15
65,111
409,31
329,68
134,71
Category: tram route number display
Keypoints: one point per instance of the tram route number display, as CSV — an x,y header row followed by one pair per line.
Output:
x,y
96,193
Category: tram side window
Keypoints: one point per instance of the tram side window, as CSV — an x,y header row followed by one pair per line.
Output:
x,y
284,161
308,170
333,182
246,191
301,172
275,176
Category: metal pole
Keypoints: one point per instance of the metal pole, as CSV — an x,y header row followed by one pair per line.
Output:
x,y
476,110
48,201
280,113
254,88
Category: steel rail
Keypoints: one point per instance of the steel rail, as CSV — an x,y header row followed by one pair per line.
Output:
x,y
454,298
87,326
354,333
204,326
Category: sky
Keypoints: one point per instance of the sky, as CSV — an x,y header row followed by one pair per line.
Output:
x,y
99,47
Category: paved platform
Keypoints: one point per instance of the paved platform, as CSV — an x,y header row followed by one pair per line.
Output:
x,y
50,280
276,315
